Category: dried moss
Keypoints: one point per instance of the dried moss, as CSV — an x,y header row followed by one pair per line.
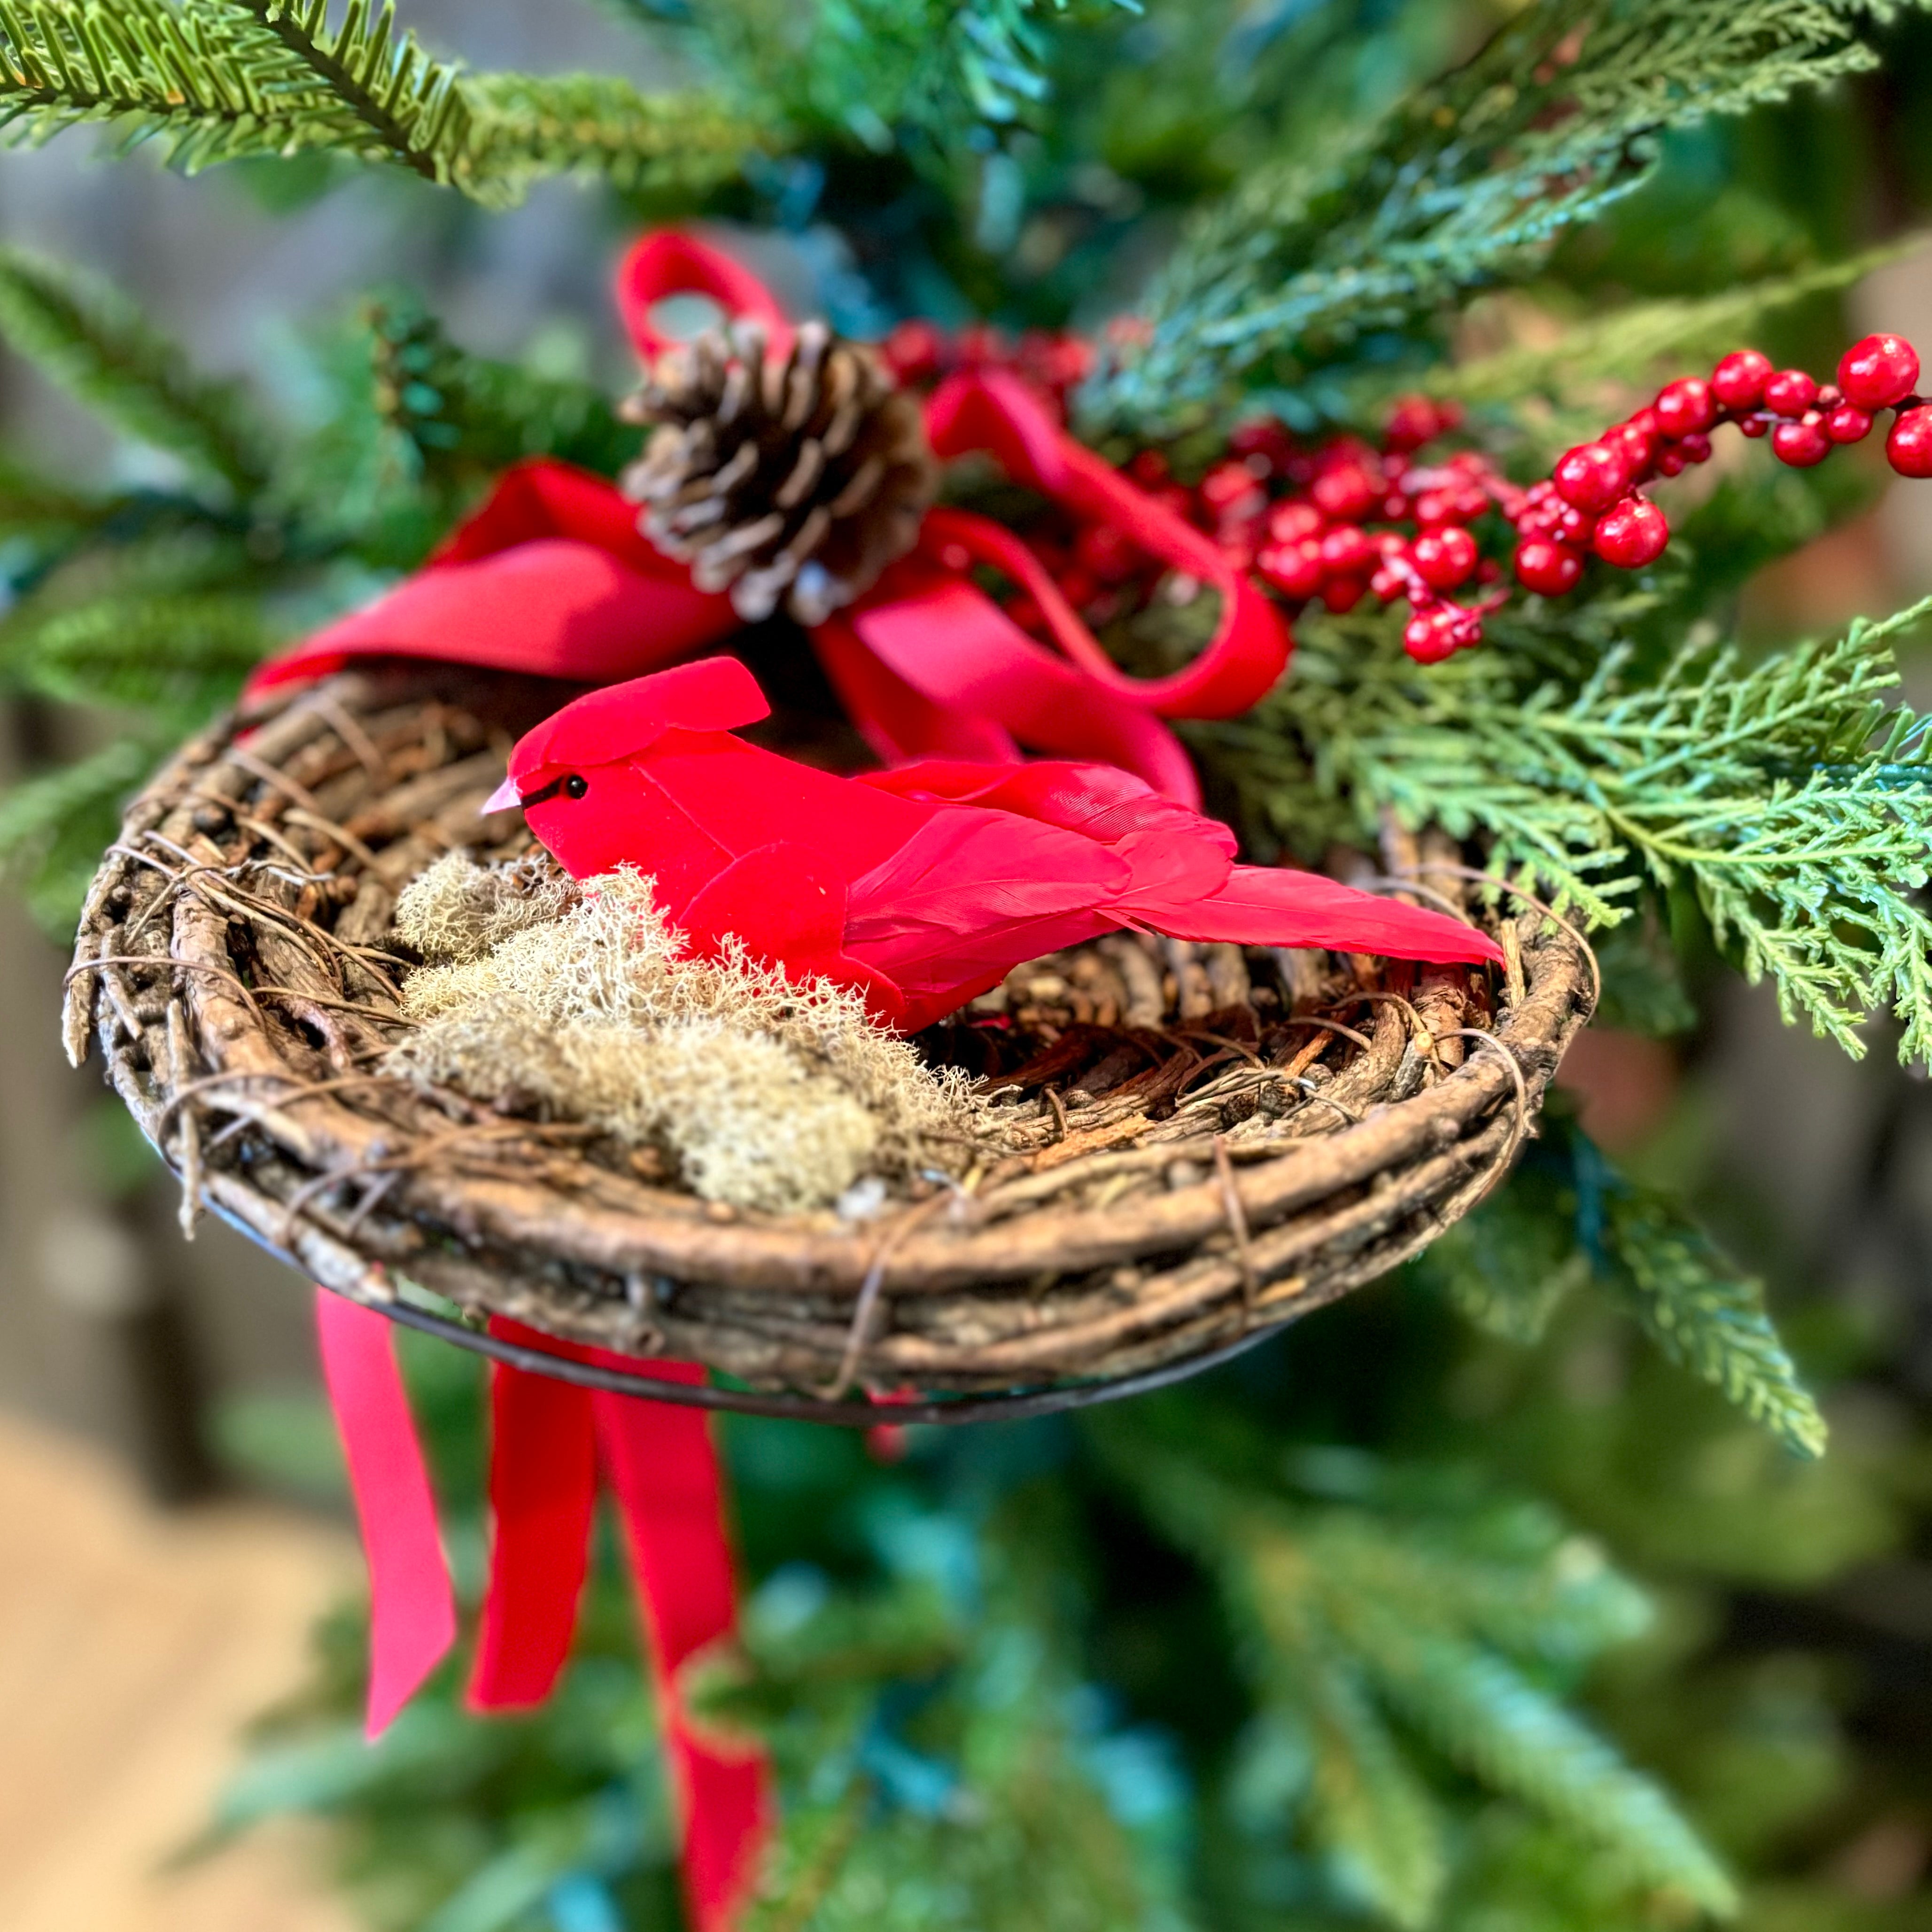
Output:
x,y
580,1002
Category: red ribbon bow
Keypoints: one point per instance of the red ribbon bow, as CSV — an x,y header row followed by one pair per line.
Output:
x,y
550,577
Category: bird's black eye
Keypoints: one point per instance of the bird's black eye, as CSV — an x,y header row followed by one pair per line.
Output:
x,y
576,785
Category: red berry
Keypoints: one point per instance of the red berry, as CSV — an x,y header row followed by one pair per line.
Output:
x,y
1571,526
1847,424
1347,492
1344,593
1738,382
1430,636
1413,420
1634,445
1294,569
913,351
1078,587
1227,488
1394,507
1801,443
1591,476
1671,461
1289,523
1878,371
1444,558
1108,553
1346,550
1548,568
1632,535
1754,427
1683,408
1263,437
1436,506
1695,448
1147,467
1909,448
1789,393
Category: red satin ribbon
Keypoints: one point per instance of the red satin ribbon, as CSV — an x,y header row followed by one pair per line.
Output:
x,y
550,578
548,1441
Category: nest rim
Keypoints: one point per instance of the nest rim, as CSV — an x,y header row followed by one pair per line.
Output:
x,y
190,1027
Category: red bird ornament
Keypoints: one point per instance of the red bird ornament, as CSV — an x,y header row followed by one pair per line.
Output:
x,y
923,885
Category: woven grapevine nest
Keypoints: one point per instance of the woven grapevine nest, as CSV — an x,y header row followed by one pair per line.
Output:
x,y
1200,1145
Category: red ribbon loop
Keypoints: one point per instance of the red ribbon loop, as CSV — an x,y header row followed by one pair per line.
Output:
x,y
551,578
669,261
548,1439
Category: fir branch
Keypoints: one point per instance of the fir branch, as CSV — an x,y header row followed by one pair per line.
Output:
x,y
1466,185
467,417
217,80
523,128
52,827
91,340
1380,1597
1705,1316
410,105
177,655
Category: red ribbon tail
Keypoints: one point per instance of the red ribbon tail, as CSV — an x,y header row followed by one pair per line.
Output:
x,y
543,1491
663,1467
412,1608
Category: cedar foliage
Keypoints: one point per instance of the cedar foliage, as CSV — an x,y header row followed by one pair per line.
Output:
x,y
1306,1648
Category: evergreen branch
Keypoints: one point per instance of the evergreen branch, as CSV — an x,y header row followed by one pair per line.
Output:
x,y
1705,1316
410,105
218,80
92,340
1387,1593
1486,1716
1466,185
1791,800
467,417
522,128
181,656
52,827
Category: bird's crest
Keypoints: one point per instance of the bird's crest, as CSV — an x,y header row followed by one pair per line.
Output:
x,y
714,694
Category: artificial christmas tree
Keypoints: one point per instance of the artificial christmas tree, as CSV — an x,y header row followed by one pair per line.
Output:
x,y
1286,1647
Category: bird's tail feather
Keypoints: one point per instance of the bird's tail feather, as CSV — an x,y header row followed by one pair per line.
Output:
x,y
1262,905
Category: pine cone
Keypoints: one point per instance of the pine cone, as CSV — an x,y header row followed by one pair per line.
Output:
x,y
796,479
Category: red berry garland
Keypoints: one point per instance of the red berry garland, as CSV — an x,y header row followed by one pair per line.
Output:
x,y
1344,521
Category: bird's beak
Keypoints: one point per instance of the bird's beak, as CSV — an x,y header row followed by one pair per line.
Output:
x,y
504,798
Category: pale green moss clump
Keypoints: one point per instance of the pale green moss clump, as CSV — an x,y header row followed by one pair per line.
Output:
x,y
576,1000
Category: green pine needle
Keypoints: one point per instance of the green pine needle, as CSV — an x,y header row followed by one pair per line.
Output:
x,y
92,340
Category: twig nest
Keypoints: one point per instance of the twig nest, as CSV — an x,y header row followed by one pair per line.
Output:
x,y
794,479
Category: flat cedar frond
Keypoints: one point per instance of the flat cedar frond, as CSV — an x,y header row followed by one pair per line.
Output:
x,y
91,340
1703,1314
1466,185
215,80
1788,794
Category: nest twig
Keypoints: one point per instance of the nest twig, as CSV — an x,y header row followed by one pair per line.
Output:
x,y
1198,1143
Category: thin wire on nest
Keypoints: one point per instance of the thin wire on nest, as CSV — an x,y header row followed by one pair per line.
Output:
x,y
1197,1148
